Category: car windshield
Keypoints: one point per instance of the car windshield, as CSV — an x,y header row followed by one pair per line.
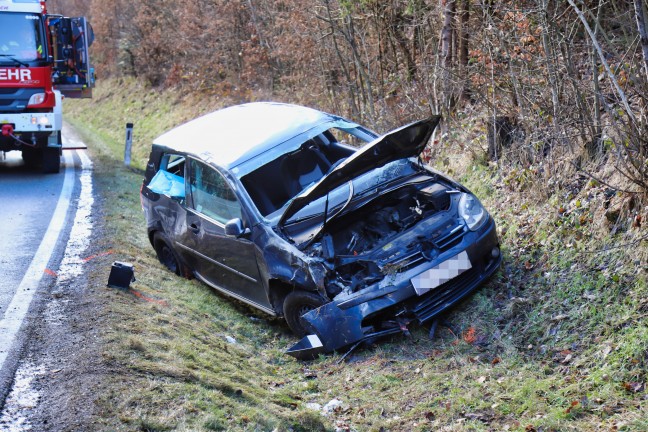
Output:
x,y
363,185
20,37
272,185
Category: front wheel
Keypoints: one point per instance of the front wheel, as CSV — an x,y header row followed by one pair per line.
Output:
x,y
296,304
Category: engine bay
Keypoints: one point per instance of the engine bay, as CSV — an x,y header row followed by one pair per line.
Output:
x,y
349,243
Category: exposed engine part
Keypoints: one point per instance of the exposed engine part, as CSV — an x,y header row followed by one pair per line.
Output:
x,y
436,195
417,209
328,249
381,219
355,275
351,238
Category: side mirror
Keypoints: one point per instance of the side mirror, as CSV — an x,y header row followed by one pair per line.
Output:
x,y
234,228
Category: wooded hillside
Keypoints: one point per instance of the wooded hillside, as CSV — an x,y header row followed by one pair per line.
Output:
x,y
555,78
570,75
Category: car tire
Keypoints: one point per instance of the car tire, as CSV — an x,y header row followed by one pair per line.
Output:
x,y
167,256
296,304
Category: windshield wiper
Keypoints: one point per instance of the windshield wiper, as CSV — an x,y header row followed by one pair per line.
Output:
x,y
11,57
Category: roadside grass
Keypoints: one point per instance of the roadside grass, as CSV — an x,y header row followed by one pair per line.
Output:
x,y
557,340
167,340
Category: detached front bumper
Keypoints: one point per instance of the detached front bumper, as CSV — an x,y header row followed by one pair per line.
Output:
x,y
356,318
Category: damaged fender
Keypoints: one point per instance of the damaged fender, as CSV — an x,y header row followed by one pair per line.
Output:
x,y
335,328
339,324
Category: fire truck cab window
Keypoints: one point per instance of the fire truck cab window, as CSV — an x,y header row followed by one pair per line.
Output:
x,y
20,36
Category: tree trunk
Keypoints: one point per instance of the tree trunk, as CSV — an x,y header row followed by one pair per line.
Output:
x,y
641,27
594,147
499,135
446,33
343,62
551,66
397,24
362,70
446,51
464,37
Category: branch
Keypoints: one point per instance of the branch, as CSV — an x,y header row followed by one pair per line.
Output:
x,y
622,95
626,245
593,177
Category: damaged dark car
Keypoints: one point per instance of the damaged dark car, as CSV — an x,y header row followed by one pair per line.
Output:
x,y
270,204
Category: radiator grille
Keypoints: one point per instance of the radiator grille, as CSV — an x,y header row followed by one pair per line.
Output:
x,y
444,295
450,238
16,99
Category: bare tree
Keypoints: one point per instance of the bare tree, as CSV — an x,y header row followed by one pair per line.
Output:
x,y
611,75
464,39
641,27
447,43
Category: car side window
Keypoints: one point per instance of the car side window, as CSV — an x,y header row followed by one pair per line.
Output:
x,y
211,194
174,164
169,180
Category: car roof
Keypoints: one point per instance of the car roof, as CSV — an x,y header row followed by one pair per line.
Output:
x,y
234,135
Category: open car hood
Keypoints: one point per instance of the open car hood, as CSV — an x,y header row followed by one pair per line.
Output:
x,y
406,141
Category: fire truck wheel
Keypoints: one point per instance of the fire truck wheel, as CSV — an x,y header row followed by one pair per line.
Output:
x,y
51,160
32,156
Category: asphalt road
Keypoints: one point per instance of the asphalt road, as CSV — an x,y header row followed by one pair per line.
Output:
x,y
28,200
36,215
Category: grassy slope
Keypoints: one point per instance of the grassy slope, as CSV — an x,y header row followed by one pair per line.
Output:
x,y
557,340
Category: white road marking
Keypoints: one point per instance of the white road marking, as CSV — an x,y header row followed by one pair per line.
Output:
x,y
17,309
72,263
79,240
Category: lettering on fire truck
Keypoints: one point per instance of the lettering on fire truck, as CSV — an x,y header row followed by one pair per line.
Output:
x,y
15,75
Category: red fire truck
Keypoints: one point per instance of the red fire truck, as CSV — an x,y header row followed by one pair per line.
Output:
x,y
43,58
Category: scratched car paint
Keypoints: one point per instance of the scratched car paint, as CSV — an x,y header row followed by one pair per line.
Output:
x,y
266,202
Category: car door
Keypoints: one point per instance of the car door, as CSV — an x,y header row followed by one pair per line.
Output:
x,y
164,207
227,263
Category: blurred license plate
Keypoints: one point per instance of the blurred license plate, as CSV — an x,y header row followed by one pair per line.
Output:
x,y
448,269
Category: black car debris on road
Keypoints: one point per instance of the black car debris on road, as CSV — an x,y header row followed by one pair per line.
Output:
x,y
270,204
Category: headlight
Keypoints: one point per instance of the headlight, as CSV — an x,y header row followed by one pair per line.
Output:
x,y
36,99
471,210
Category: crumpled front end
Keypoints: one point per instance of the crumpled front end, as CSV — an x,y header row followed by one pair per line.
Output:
x,y
432,276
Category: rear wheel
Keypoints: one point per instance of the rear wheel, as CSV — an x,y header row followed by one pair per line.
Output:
x,y
32,156
296,304
51,160
167,255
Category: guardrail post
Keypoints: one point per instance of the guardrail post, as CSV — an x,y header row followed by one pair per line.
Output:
x,y
129,144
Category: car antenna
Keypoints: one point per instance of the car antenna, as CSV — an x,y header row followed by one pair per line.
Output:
x,y
326,204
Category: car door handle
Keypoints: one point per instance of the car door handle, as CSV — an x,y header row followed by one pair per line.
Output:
x,y
194,227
